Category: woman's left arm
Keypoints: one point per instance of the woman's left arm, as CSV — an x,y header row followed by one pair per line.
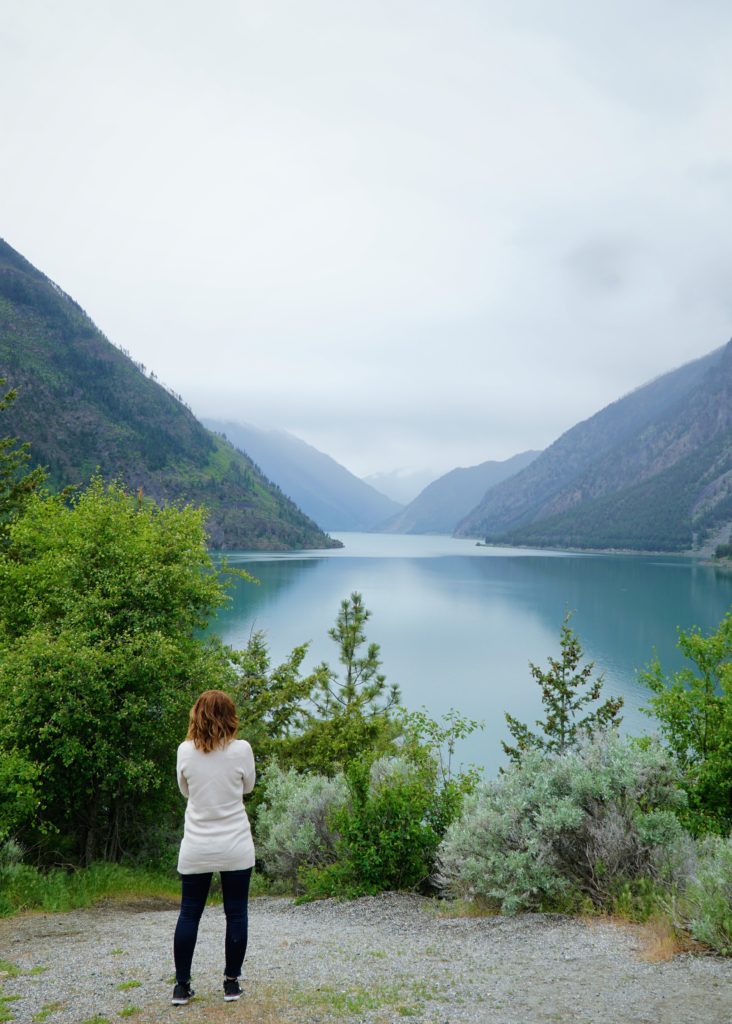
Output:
x,y
248,772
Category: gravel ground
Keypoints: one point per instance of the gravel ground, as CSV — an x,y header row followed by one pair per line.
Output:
x,y
381,959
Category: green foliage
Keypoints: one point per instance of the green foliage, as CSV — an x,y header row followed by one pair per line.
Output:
x,y
393,825
294,822
694,711
24,887
398,810
353,713
423,736
316,722
566,689
554,830
375,828
273,703
17,482
20,786
85,405
706,905
723,551
99,599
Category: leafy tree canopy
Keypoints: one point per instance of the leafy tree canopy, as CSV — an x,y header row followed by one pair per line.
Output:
x,y
101,597
694,711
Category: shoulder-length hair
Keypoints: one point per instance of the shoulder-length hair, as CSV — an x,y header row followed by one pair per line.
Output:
x,y
213,721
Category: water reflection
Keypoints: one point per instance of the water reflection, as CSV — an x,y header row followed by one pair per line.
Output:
x,y
457,629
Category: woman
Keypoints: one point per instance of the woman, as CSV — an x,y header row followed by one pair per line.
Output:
x,y
215,770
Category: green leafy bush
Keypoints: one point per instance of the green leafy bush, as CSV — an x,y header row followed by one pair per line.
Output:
x,y
694,710
389,830
553,831
294,829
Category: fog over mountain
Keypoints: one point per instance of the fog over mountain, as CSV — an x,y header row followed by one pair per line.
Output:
x,y
86,407
652,471
320,486
447,500
401,485
394,230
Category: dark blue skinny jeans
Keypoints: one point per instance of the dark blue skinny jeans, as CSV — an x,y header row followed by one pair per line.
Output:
x,y
235,889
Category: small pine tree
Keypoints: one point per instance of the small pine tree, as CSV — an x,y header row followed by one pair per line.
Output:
x,y
566,689
363,686
353,711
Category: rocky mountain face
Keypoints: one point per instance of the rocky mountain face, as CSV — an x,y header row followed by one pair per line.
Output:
x,y
325,490
85,406
447,500
652,471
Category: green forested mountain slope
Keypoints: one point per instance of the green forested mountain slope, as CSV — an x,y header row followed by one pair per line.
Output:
x,y
652,471
322,487
444,502
84,405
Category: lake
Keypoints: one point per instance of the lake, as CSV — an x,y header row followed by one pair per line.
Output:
x,y
457,624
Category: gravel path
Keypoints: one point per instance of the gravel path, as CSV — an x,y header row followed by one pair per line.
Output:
x,y
382,959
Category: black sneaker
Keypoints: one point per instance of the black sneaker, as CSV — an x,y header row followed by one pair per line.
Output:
x,y
232,989
182,994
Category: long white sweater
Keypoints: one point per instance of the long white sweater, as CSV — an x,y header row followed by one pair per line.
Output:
x,y
217,835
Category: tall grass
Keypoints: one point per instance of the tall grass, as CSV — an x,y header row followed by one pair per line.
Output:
x,y
23,887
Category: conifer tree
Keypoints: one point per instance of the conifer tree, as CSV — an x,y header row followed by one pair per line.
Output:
x,y
567,688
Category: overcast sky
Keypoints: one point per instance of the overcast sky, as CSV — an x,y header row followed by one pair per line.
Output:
x,y
417,234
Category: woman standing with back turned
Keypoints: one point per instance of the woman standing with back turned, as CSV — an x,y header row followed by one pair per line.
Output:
x,y
215,770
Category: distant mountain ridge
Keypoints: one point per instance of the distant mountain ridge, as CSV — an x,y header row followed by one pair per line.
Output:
x,y
84,405
447,500
324,489
652,471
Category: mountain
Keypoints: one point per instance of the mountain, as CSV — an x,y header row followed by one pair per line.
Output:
x,y
85,405
652,471
401,485
447,500
322,487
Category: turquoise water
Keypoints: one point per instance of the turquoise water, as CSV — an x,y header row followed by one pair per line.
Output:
x,y
458,624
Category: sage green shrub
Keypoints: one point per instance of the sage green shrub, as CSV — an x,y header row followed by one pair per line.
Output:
x,y
294,828
706,904
554,831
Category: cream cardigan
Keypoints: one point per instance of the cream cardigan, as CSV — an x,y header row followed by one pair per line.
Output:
x,y
217,836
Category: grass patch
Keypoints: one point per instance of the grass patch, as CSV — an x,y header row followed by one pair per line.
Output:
x,y
405,999
129,1011
267,1004
463,908
10,970
125,985
660,940
23,887
46,1011
96,1019
6,1012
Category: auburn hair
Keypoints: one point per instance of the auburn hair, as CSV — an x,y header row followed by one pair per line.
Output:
x,y
213,721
